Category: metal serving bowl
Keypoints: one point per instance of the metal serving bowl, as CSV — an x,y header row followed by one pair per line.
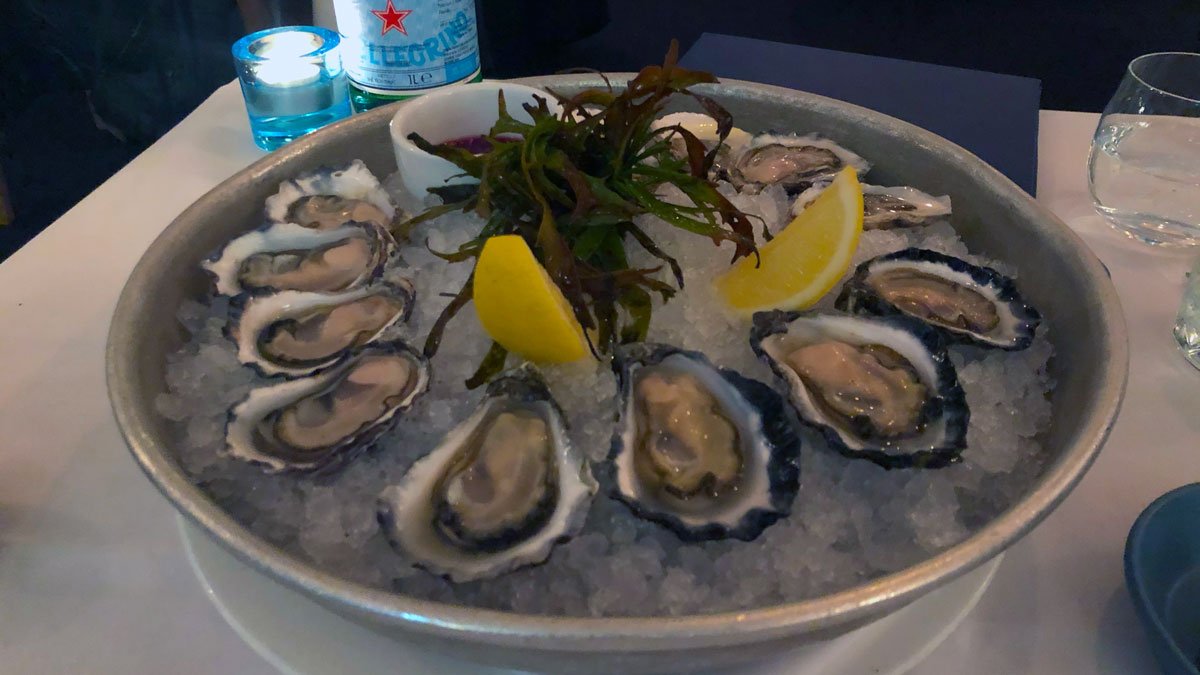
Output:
x,y
1058,274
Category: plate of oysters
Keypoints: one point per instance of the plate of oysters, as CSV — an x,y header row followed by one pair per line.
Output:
x,y
674,373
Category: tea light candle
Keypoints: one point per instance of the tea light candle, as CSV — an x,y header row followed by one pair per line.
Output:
x,y
292,80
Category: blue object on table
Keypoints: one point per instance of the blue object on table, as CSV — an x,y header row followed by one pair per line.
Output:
x,y
292,81
994,116
1162,572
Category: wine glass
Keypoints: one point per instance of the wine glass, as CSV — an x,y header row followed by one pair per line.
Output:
x,y
1144,168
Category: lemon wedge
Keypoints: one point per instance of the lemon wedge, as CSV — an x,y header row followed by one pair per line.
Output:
x,y
806,259
520,307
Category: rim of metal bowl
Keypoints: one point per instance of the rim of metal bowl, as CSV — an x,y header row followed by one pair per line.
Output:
x,y
640,634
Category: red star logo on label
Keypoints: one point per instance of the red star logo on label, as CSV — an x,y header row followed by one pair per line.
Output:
x,y
392,18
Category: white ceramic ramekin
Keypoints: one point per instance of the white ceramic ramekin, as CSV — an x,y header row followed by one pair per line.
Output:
x,y
467,110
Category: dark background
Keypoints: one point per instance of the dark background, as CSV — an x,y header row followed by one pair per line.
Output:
x,y
85,85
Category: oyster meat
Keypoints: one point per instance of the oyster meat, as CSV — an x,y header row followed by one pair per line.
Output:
x,y
965,302
887,207
498,492
326,419
329,197
882,389
703,451
295,333
286,256
792,162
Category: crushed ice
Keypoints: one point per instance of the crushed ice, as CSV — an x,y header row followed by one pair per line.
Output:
x,y
852,520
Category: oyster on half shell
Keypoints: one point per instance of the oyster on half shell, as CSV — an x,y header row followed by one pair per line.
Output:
x,y
792,162
881,389
964,302
499,491
295,333
324,420
705,130
887,207
703,451
287,256
328,197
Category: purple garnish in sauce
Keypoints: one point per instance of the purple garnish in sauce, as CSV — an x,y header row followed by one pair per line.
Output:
x,y
478,144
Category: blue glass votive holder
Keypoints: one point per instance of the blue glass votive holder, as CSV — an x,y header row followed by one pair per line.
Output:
x,y
293,82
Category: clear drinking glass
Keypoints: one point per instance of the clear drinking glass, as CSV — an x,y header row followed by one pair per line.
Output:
x,y
1144,169
292,80
1187,323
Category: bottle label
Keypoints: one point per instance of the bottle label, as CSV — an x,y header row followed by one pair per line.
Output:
x,y
395,47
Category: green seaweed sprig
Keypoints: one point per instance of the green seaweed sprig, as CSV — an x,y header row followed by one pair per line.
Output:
x,y
571,184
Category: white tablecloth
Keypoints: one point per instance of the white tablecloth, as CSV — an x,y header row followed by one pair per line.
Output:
x,y
92,574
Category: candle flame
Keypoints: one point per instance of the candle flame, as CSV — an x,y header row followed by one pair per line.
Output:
x,y
283,64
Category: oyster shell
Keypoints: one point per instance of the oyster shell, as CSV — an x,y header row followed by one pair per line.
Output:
x,y
498,492
705,129
704,451
295,333
882,389
326,419
964,302
331,196
792,162
887,207
286,256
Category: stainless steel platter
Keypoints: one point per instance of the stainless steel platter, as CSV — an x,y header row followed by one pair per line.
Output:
x,y
1058,274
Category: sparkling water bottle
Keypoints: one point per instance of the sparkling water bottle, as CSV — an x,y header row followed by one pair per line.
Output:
x,y
398,49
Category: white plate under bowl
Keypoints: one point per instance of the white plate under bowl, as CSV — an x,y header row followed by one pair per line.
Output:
x,y
298,636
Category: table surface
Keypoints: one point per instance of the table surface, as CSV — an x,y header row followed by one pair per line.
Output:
x,y
93,576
